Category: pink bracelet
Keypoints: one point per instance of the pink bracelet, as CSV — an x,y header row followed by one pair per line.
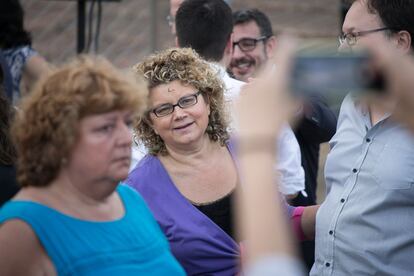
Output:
x,y
296,223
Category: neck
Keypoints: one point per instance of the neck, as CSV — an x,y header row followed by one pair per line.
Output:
x,y
85,191
190,154
379,108
225,61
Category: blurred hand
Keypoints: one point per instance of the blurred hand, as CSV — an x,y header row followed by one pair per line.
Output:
x,y
398,72
264,103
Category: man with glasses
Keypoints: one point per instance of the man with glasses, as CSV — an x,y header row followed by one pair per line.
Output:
x,y
253,43
365,225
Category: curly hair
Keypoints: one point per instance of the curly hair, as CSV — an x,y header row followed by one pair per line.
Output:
x,y
184,65
47,128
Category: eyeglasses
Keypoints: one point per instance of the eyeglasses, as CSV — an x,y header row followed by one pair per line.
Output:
x,y
248,44
351,38
170,20
184,102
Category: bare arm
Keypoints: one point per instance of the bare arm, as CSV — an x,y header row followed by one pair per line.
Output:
x,y
21,253
35,67
262,221
308,221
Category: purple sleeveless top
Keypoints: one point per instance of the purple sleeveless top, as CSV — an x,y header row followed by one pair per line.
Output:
x,y
200,245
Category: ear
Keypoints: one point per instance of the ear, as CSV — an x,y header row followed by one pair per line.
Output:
x,y
270,46
229,46
228,51
176,42
404,41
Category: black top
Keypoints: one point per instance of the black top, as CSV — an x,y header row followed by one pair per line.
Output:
x,y
221,213
317,126
8,183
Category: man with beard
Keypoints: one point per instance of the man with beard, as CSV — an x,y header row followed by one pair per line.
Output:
x,y
254,43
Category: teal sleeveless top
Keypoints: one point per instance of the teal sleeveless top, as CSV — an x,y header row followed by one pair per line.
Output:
x,y
132,245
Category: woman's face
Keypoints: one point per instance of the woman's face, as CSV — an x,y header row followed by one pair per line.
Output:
x,y
103,149
184,127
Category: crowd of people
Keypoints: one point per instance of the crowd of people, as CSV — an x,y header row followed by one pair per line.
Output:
x,y
199,160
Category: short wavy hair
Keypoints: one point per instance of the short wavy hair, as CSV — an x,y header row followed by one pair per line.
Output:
x,y
184,65
47,126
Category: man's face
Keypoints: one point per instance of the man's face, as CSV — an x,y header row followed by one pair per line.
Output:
x,y
360,19
174,5
245,64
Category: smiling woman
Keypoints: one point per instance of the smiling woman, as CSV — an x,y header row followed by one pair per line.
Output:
x,y
190,169
71,217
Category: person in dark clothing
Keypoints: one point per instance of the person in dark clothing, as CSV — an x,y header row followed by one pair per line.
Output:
x,y
8,184
317,125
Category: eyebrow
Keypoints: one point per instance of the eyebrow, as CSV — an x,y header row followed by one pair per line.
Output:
x,y
162,104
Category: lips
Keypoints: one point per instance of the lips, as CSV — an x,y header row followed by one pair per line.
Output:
x,y
123,159
184,126
242,65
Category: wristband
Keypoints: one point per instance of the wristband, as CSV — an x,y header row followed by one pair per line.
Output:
x,y
297,223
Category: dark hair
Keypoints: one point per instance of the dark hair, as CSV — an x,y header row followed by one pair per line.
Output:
x,y
395,14
12,32
7,150
262,21
205,26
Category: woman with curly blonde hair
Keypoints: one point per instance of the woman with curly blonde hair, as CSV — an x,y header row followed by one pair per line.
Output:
x,y
71,217
189,176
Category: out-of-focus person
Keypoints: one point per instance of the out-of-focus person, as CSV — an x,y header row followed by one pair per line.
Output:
x,y
71,217
189,177
16,53
174,5
364,226
254,43
269,245
206,26
8,187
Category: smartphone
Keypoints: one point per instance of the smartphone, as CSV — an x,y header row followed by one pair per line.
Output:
x,y
333,76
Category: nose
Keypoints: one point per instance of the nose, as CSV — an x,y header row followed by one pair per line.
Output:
x,y
125,135
237,52
179,113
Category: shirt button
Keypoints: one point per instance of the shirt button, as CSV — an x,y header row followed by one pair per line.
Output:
x,y
354,170
331,232
342,200
368,140
327,264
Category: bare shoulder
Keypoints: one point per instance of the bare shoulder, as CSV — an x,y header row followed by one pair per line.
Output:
x,y
24,255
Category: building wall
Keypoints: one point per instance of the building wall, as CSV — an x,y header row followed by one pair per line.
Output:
x,y
126,31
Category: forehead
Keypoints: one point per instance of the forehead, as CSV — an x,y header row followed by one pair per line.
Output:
x,y
111,115
246,30
359,18
170,92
